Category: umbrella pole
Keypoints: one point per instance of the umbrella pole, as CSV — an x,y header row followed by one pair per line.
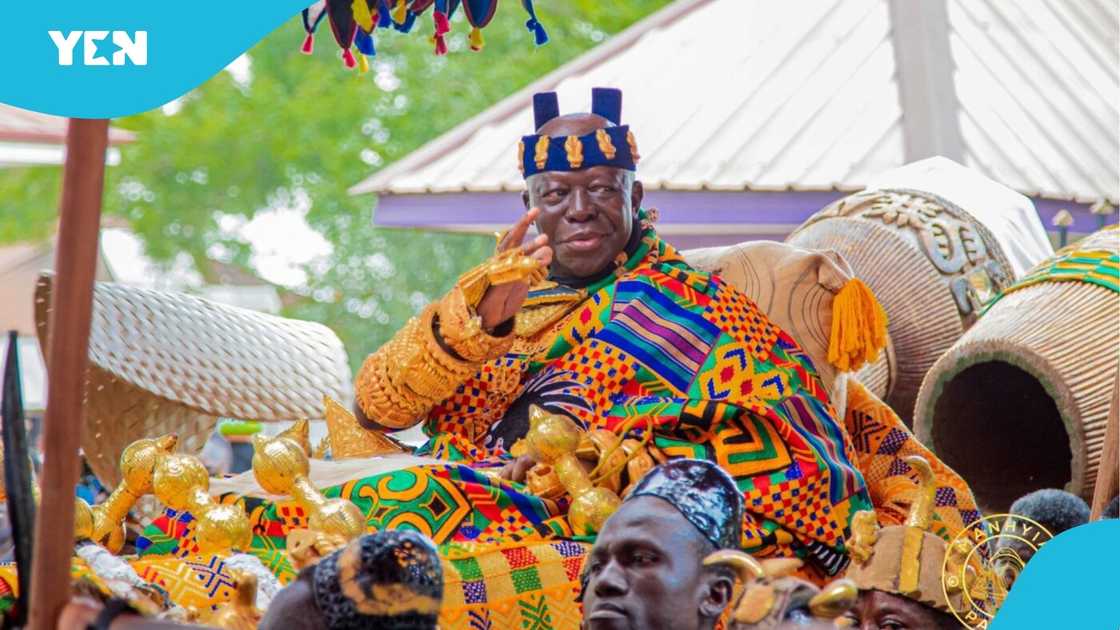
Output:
x,y
67,356
1108,471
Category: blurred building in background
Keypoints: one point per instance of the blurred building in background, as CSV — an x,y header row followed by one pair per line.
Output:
x,y
751,115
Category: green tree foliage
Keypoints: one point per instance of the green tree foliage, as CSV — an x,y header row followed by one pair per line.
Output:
x,y
305,128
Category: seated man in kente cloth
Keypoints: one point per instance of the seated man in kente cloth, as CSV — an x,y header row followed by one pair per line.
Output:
x,y
648,357
621,330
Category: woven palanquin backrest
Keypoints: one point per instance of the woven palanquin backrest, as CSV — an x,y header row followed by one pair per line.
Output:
x,y
167,362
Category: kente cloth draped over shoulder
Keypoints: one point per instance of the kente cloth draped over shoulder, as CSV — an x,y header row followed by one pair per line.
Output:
x,y
702,365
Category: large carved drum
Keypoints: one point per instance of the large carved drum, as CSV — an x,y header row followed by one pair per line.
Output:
x,y
1020,402
935,242
164,362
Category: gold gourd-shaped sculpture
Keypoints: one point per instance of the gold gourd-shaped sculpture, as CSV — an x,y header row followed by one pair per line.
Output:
x,y
240,613
281,466
552,441
181,483
104,523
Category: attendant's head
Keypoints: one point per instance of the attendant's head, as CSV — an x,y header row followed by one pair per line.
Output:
x,y
646,569
1112,509
880,610
579,172
1056,510
902,586
390,580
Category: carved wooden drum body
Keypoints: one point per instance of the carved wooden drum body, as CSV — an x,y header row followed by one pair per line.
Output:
x,y
1021,401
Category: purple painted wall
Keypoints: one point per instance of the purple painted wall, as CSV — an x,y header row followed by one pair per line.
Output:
x,y
688,219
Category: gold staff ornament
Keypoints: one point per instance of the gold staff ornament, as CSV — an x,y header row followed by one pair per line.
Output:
x,y
281,466
181,483
138,464
552,441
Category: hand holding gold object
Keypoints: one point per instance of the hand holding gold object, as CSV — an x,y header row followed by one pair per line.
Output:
x,y
240,613
281,466
181,483
552,441
104,522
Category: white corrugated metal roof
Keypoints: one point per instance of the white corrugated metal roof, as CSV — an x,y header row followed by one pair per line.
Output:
x,y
762,95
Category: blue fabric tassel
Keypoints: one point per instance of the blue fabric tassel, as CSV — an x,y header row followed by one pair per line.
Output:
x,y
534,25
539,34
364,42
409,21
384,20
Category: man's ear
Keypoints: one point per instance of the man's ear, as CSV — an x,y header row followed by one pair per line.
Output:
x,y
525,198
716,596
636,194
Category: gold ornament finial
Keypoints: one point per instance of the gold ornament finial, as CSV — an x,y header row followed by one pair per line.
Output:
x,y
281,467
300,433
181,483
766,589
137,463
348,439
240,613
552,441
917,524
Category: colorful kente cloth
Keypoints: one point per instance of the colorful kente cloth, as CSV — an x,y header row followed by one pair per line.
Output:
x,y
697,362
689,356
883,441
508,561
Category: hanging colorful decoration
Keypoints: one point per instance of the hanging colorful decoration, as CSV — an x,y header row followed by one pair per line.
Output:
x,y
353,23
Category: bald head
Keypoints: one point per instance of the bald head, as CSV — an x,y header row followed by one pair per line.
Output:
x,y
579,124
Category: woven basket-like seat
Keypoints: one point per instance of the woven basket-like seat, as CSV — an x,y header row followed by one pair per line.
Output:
x,y
163,362
1020,402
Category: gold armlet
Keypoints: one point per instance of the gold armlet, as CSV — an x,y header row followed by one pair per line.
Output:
x,y
406,377
461,329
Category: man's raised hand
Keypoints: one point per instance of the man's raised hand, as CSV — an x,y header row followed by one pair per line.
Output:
x,y
502,302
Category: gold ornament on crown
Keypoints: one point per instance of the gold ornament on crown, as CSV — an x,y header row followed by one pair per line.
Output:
x,y
181,483
281,466
767,589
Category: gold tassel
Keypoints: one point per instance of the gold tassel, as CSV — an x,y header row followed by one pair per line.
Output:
x,y
400,12
476,39
363,64
859,327
540,152
574,148
362,15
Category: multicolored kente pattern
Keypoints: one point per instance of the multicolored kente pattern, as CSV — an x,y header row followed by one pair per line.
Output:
x,y
883,441
702,368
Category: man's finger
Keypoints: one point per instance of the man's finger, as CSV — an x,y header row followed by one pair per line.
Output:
x,y
540,241
517,233
543,255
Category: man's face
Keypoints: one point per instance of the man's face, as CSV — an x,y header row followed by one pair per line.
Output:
x,y
588,215
645,572
877,610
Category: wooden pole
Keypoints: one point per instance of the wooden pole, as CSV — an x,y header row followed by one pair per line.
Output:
x,y
1108,470
67,356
